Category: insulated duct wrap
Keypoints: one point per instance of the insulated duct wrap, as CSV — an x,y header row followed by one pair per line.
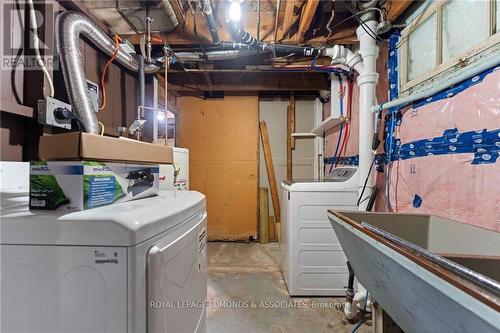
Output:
x,y
69,27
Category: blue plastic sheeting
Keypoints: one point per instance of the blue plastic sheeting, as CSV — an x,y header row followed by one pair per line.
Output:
x,y
455,89
484,144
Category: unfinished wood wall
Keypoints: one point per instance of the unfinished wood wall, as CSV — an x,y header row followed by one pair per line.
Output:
x,y
20,89
222,137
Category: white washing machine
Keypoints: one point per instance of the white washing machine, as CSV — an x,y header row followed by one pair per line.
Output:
x,y
137,266
313,262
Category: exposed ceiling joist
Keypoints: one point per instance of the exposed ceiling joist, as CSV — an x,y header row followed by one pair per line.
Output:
x,y
179,12
396,8
306,17
271,81
288,19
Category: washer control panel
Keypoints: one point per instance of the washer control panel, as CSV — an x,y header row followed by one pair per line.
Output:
x,y
341,174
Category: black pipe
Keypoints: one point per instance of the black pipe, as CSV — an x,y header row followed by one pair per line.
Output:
x,y
350,283
206,8
277,49
373,196
142,82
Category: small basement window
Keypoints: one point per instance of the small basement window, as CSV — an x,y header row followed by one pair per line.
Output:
x,y
444,34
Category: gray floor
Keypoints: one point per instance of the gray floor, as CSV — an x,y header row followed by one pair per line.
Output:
x,y
247,294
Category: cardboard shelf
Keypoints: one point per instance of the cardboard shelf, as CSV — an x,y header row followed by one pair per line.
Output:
x,y
327,124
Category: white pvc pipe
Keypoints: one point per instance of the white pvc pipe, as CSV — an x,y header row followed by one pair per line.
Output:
x,y
472,71
367,82
351,308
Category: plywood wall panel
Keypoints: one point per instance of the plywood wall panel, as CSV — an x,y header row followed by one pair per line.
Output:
x,y
222,136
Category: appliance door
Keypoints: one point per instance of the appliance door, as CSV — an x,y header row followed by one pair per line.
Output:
x,y
177,281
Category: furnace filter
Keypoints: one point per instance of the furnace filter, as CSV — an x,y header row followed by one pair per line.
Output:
x,y
80,185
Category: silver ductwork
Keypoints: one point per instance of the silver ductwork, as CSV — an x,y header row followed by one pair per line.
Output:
x,y
213,55
69,27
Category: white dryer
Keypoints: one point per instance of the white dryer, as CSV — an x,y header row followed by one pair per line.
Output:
x,y
137,266
313,262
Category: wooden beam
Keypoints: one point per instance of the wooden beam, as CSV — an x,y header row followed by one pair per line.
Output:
x,y
270,170
179,13
396,8
278,5
184,34
288,19
79,6
292,119
306,18
271,81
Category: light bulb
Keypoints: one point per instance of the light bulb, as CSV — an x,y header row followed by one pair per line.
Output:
x,y
235,11
160,116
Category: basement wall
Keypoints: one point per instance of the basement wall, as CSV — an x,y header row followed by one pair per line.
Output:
x,y
274,113
459,183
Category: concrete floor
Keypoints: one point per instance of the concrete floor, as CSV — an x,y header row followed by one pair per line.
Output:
x,y
247,294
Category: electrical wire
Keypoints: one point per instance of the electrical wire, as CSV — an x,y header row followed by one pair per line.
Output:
x,y
363,24
347,19
117,40
36,46
101,125
366,181
341,97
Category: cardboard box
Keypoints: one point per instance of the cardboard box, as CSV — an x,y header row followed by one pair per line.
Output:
x,y
91,147
79,185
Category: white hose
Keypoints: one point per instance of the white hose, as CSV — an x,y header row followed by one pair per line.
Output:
x,y
36,46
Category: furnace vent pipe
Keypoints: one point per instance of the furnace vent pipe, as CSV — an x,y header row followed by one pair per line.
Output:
x,y
277,49
70,26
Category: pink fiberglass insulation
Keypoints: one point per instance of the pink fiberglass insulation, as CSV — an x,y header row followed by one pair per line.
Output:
x,y
450,185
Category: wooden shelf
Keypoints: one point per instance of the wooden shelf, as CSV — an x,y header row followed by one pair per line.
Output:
x,y
327,124
303,135
14,108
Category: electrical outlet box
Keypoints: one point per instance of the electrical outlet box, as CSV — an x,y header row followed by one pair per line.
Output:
x,y
46,108
94,94
127,46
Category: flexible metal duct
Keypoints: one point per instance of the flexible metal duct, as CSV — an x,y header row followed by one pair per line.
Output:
x,y
69,26
213,55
